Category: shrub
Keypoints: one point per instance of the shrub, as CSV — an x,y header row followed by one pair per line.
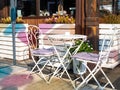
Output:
x,y
7,20
85,47
110,19
60,19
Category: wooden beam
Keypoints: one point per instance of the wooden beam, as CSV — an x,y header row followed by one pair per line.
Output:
x,y
37,7
92,22
80,16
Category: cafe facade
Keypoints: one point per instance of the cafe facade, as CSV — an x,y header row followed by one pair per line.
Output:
x,y
85,12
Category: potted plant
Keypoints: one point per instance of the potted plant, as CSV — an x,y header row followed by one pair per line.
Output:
x,y
58,24
110,24
85,47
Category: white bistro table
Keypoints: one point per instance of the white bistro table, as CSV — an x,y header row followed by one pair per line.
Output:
x,y
68,42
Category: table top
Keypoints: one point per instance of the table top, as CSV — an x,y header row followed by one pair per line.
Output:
x,y
70,36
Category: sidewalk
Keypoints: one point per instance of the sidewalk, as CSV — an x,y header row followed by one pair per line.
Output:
x,y
14,78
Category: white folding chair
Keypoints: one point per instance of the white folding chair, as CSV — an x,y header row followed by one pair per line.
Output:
x,y
40,55
97,59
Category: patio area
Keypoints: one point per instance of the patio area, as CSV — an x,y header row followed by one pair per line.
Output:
x,y
14,78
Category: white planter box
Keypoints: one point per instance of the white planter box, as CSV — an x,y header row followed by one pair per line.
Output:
x,y
109,29
56,29
6,44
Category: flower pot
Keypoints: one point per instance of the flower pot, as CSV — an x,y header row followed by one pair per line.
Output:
x,y
79,65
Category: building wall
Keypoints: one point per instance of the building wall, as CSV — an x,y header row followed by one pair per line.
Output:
x,y
86,14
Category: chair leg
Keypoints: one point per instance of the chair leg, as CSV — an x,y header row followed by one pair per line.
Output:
x,y
39,69
66,68
109,82
90,76
32,68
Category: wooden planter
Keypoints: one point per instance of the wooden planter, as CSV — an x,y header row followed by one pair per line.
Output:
x,y
114,59
6,44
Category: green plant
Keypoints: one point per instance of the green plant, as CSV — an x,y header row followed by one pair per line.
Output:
x,y
110,19
85,47
60,19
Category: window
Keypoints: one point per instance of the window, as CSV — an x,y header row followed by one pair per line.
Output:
x,y
52,6
48,5
31,8
118,7
109,6
26,7
105,7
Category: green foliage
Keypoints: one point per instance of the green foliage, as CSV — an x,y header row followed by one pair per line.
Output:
x,y
85,47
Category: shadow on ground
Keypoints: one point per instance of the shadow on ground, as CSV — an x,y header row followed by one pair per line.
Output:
x,y
117,83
